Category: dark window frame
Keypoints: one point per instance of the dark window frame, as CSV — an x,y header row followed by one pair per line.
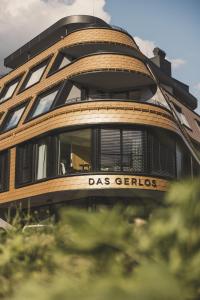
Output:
x,y
9,115
34,68
6,177
60,86
7,85
57,61
52,161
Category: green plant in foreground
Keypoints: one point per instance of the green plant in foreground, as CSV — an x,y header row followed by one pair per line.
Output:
x,y
106,255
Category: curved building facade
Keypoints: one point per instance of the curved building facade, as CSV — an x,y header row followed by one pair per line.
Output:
x,y
87,118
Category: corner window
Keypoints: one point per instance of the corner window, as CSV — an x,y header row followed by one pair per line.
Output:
x,y
9,89
162,155
13,117
61,61
35,75
4,171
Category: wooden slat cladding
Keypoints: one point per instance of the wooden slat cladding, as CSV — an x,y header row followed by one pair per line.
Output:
x,y
77,183
81,36
88,113
90,63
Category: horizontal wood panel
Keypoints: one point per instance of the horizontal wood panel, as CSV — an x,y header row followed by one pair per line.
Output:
x,y
76,183
81,36
89,113
85,64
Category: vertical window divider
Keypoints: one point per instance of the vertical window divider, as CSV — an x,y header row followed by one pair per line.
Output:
x,y
121,150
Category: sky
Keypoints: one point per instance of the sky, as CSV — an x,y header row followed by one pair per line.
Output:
x,y
172,25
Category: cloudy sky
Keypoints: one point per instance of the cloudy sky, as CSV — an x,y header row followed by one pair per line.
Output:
x,y
172,25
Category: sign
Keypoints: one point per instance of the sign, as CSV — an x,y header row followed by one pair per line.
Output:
x,y
129,181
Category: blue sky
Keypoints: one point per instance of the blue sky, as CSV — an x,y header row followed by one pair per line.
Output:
x,y
173,26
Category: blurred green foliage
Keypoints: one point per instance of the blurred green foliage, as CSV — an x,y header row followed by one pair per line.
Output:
x,y
110,254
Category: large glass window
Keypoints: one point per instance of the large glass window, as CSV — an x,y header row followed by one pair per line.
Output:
x,y
162,154
13,117
24,161
74,152
151,152
134,146
44,102
35,75
110,153
122,150
4,171
9,89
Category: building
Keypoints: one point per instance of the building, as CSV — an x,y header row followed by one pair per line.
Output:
x,y
86,118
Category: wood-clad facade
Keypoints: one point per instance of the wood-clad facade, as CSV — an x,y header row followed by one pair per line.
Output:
x,y
85,115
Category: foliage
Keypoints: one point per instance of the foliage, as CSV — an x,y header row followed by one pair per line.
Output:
x,y
109,254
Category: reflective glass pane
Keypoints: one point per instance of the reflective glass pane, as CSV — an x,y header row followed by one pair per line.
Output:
x,y
14,118
44,104
10,90
133,142
65,61
35,76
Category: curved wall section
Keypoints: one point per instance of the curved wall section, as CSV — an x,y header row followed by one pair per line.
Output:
x,y
87,183
91,113
100,35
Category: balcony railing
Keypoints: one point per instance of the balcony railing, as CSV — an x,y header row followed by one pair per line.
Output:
x,y
113,98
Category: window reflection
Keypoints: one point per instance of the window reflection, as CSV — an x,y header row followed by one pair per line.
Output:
x,y
35,76
9,90
44,104
13,117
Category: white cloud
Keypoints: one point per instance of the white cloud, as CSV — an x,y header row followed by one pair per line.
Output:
x,y
21,20
146,47
197,86
177,62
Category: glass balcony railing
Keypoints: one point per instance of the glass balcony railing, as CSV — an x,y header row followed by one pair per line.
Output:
x,y
113,98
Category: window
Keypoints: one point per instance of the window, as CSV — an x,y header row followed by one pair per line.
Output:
x,y
61,61
24,163
54,97
4,171
9,89
35,75
74,94
44,102
33,161
162,155
110,157
74,152
183,161
181,116
133,143
122,150
13,117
